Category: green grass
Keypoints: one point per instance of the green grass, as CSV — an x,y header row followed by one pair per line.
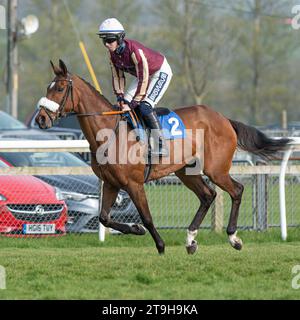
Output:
x,y
128,267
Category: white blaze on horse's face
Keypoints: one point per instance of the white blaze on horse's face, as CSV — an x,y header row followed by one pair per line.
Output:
x,y
52,84
48,104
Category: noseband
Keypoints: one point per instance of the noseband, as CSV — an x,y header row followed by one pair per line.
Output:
x,y
59,112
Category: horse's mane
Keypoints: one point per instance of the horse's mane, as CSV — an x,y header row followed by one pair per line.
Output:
x,y
95,90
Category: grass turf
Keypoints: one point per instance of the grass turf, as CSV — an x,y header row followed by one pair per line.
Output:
x,y
128,267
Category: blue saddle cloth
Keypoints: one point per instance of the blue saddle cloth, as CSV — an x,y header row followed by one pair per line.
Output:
x,y
171,123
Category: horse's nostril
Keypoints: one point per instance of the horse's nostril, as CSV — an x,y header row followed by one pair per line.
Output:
x,y
40,120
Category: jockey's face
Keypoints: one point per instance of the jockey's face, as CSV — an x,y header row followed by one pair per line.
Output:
x,y
111,46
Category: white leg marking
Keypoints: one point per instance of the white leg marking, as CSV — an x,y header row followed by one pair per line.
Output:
x,y
190,237
234,240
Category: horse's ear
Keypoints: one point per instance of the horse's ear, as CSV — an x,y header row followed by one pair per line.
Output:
x,y
52,65
56,69
63,67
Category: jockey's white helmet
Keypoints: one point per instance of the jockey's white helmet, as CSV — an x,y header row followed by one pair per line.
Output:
x,y
111,28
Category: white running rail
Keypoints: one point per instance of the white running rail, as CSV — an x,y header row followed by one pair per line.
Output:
x,y
293,145
83,146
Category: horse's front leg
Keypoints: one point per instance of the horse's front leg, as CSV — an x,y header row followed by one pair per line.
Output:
x,y
109,195
138,196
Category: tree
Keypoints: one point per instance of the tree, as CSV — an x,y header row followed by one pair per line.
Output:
x,y
263,53
237,56
57,38
198,42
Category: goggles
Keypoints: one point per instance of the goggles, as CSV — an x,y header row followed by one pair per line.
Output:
x,y
109,40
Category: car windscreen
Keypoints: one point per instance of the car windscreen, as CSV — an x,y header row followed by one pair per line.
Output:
x,y
42,159
7,122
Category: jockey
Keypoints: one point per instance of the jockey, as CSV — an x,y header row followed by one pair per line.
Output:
x,y
151,69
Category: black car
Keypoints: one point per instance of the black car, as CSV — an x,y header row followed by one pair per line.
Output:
x,y
64,127
81,192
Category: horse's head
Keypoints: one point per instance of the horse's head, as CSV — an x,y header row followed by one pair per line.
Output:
x,y
60,98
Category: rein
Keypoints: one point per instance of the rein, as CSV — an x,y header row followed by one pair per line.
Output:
x,y
69,92
60,113
104,113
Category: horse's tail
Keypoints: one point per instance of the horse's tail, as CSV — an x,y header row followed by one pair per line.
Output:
x,y
252,140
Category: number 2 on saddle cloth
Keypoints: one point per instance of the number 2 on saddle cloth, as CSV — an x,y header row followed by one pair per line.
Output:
x,y
171,123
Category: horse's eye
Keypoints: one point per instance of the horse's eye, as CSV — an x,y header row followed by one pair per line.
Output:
x,y
60,89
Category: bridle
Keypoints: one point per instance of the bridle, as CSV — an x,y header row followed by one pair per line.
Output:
x,y
69,92
60,112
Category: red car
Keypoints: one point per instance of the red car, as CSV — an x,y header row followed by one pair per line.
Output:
x,y
30,207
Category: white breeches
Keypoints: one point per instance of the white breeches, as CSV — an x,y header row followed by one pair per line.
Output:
x,y
158,85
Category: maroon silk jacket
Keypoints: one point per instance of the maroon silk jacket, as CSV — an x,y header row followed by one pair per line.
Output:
x,y
138,60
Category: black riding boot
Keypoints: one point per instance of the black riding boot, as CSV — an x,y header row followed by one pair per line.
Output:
x,y
159,144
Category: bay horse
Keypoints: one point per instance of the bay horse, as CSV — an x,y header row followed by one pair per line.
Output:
x,y
69,93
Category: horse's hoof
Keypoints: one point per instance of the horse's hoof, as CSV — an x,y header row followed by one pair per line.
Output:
x,y
192,248
236,242
138,229
161,252
238,246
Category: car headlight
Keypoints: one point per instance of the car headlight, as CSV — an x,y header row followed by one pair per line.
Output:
x,y
2,198
67,195
58,194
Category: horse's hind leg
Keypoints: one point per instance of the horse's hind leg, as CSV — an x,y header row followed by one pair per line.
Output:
x,y
109,195
206,196
235,189
138,196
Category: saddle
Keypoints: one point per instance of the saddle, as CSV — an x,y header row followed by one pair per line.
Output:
x,y
136,122
172,125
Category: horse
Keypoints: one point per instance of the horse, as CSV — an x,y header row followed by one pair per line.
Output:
x,y
68,94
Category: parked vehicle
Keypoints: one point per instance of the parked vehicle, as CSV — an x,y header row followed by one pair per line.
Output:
x,y
30,207
65,126
13,128
81,192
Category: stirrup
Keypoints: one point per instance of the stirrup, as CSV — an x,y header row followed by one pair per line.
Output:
x,y
160,149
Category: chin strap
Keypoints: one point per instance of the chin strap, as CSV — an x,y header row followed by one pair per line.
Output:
x,y
121,48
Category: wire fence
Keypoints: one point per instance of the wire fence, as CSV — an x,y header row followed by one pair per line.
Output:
x,y
174,206
58,201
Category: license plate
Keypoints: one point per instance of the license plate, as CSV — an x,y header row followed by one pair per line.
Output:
x,y
38,228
